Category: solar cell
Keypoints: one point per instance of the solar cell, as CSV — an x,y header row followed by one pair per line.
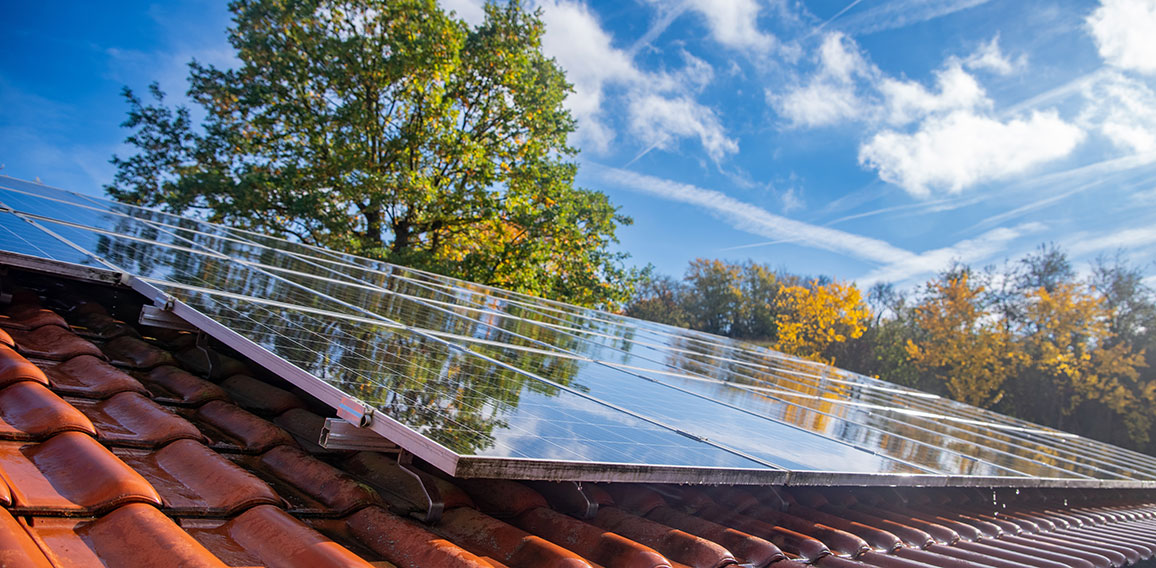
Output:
x,y
480,380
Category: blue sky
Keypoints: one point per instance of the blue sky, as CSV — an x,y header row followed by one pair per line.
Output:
x,y
867,140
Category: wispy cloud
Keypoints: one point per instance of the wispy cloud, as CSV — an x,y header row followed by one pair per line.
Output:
x,y
753,219
1122,239
897,14
968,251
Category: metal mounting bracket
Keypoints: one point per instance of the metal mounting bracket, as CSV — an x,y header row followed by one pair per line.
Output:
x,y
338,434
567,497
434,503
162,317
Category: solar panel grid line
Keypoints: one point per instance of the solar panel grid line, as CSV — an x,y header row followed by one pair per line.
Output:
x,y
534,376
564,313
32,221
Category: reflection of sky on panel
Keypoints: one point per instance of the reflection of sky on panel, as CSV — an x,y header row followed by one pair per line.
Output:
x,y
775,407
20,236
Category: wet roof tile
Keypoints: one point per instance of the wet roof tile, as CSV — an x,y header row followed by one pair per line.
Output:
x,y
173,385
30,316
337,491
6,339
130,419
236,429
209,363
91,377
29,411
70,473
401,541
132,536
489,537
136,353
17,548
194,480
101,326
260,397
593,543
400,488
676,545
268,536
15,368
52,342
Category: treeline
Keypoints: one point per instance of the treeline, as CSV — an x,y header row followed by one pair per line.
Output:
x,y
1030,338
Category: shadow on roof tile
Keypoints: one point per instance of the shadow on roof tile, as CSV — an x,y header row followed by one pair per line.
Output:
x,y
173,385
30,316
397,540
130,419
260,397
52,342
268,536
6,339
194,480
136,353
91,377
101,326
232,428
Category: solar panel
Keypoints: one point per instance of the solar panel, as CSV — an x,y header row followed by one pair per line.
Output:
x,y
482,381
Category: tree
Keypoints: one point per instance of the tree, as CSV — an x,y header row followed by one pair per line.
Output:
x,y
812,318
713,296
388,129
658,298
958,344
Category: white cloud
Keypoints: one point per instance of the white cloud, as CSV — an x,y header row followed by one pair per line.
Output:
x,y
734,23
964,148
896,14
1123,110
659,107
753,219
989,57
659,122
831,93
907,101
1125,32
968,251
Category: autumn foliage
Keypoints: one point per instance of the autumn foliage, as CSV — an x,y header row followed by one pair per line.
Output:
x,y
1029,339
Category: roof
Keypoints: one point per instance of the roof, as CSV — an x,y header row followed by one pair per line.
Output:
x,y
124,444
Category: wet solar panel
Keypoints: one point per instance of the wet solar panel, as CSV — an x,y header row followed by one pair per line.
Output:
x,y
482,381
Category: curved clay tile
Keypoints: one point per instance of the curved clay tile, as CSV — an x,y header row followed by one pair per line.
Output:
x,y
407,544
130,419
260,397
268,536
136,353
52,342
233,425
91,377
16,547
70,473
174,385
15,368
336,490
29,411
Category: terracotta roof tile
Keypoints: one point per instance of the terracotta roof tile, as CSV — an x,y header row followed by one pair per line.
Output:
x,y
501,497
70,473
29,411
52,342
592,543
676,545
260,397
15,368
236,429
268,536
305,427
101,326
130,419
210,363
136,353
30,316
488,537
405,543
6,339
90,377
132,536
17,548
173,385
338,492
194,480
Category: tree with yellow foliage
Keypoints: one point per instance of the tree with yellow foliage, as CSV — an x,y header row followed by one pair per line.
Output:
x,y
959,346
813,317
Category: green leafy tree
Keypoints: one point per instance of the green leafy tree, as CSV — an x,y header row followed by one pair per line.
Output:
x,y
392,130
